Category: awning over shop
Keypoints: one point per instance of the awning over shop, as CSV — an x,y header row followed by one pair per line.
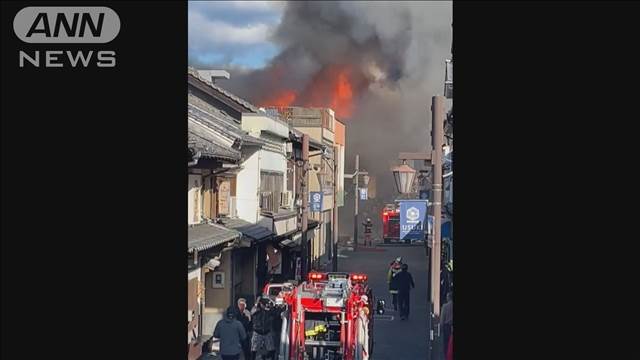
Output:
x,y
204,236
296,239
254,232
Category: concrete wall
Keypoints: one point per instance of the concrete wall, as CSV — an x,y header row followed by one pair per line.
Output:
x,y
247,188
313,132
258,122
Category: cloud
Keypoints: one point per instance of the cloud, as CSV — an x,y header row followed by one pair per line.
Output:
x,y
233,33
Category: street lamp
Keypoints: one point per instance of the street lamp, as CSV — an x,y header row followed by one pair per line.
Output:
x,y
404,175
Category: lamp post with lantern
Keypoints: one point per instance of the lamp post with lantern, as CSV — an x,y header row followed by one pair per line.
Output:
x,y
404,177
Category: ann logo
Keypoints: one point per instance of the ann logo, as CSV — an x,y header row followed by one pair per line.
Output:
x,y
66,25
41,25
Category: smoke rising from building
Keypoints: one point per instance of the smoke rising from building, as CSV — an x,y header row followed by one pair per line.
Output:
x,y
377,64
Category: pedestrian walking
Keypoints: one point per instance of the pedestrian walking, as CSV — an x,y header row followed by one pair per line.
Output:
x,y
244,316
446,319
262,341
404,282
231,334
394,269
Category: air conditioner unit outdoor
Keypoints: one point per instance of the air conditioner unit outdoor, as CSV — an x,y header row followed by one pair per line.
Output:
x,y
286,199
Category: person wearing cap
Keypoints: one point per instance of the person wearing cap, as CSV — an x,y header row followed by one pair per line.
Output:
x,y
244,316
231,334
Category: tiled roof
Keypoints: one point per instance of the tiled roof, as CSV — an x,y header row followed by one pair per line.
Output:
x,y
201,141
255,232
220,122
204,236
247,105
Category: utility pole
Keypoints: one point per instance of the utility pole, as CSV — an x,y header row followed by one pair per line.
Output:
x,y
357,198
304,189
334,251
437,137
356,177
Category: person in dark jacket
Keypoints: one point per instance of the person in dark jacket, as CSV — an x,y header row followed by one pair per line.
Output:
x,y
231,334
244,316
394,268
262,339
404,283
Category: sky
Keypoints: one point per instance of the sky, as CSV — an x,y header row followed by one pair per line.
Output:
x,y
233,33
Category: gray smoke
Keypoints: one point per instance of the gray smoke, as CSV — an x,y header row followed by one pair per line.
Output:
x,y
396,51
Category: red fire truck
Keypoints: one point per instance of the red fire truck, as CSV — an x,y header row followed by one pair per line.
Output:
x,y
391,223
328,317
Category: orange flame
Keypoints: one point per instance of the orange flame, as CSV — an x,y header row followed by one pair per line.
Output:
x,y
332,87
282,99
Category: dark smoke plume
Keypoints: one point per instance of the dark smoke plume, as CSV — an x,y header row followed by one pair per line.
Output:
x,y
395,52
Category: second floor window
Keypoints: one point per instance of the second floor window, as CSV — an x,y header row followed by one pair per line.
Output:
x,y
271,190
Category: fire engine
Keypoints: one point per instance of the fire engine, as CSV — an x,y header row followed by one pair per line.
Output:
x,y
391,223
327,317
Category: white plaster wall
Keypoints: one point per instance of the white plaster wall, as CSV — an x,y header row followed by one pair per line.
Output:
x,y
271,161
247,188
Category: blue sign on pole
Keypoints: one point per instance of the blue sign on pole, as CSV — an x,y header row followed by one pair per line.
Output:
x,y
363,194
315,201
413,219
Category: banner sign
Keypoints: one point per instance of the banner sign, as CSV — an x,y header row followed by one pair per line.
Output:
x,y
413,219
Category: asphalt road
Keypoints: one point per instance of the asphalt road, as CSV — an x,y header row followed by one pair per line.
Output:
x,y
394,339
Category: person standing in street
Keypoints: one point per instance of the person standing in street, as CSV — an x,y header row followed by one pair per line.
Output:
x,y
231,334
446,320
368,225
262,340
244,316
405,283
394,269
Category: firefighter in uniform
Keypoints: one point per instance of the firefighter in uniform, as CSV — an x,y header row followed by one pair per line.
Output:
x,y
368,225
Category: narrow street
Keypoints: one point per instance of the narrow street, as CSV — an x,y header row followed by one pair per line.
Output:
x,y
394,339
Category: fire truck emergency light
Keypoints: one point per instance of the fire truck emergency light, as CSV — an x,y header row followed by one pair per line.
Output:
x,y
358,277
316,276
